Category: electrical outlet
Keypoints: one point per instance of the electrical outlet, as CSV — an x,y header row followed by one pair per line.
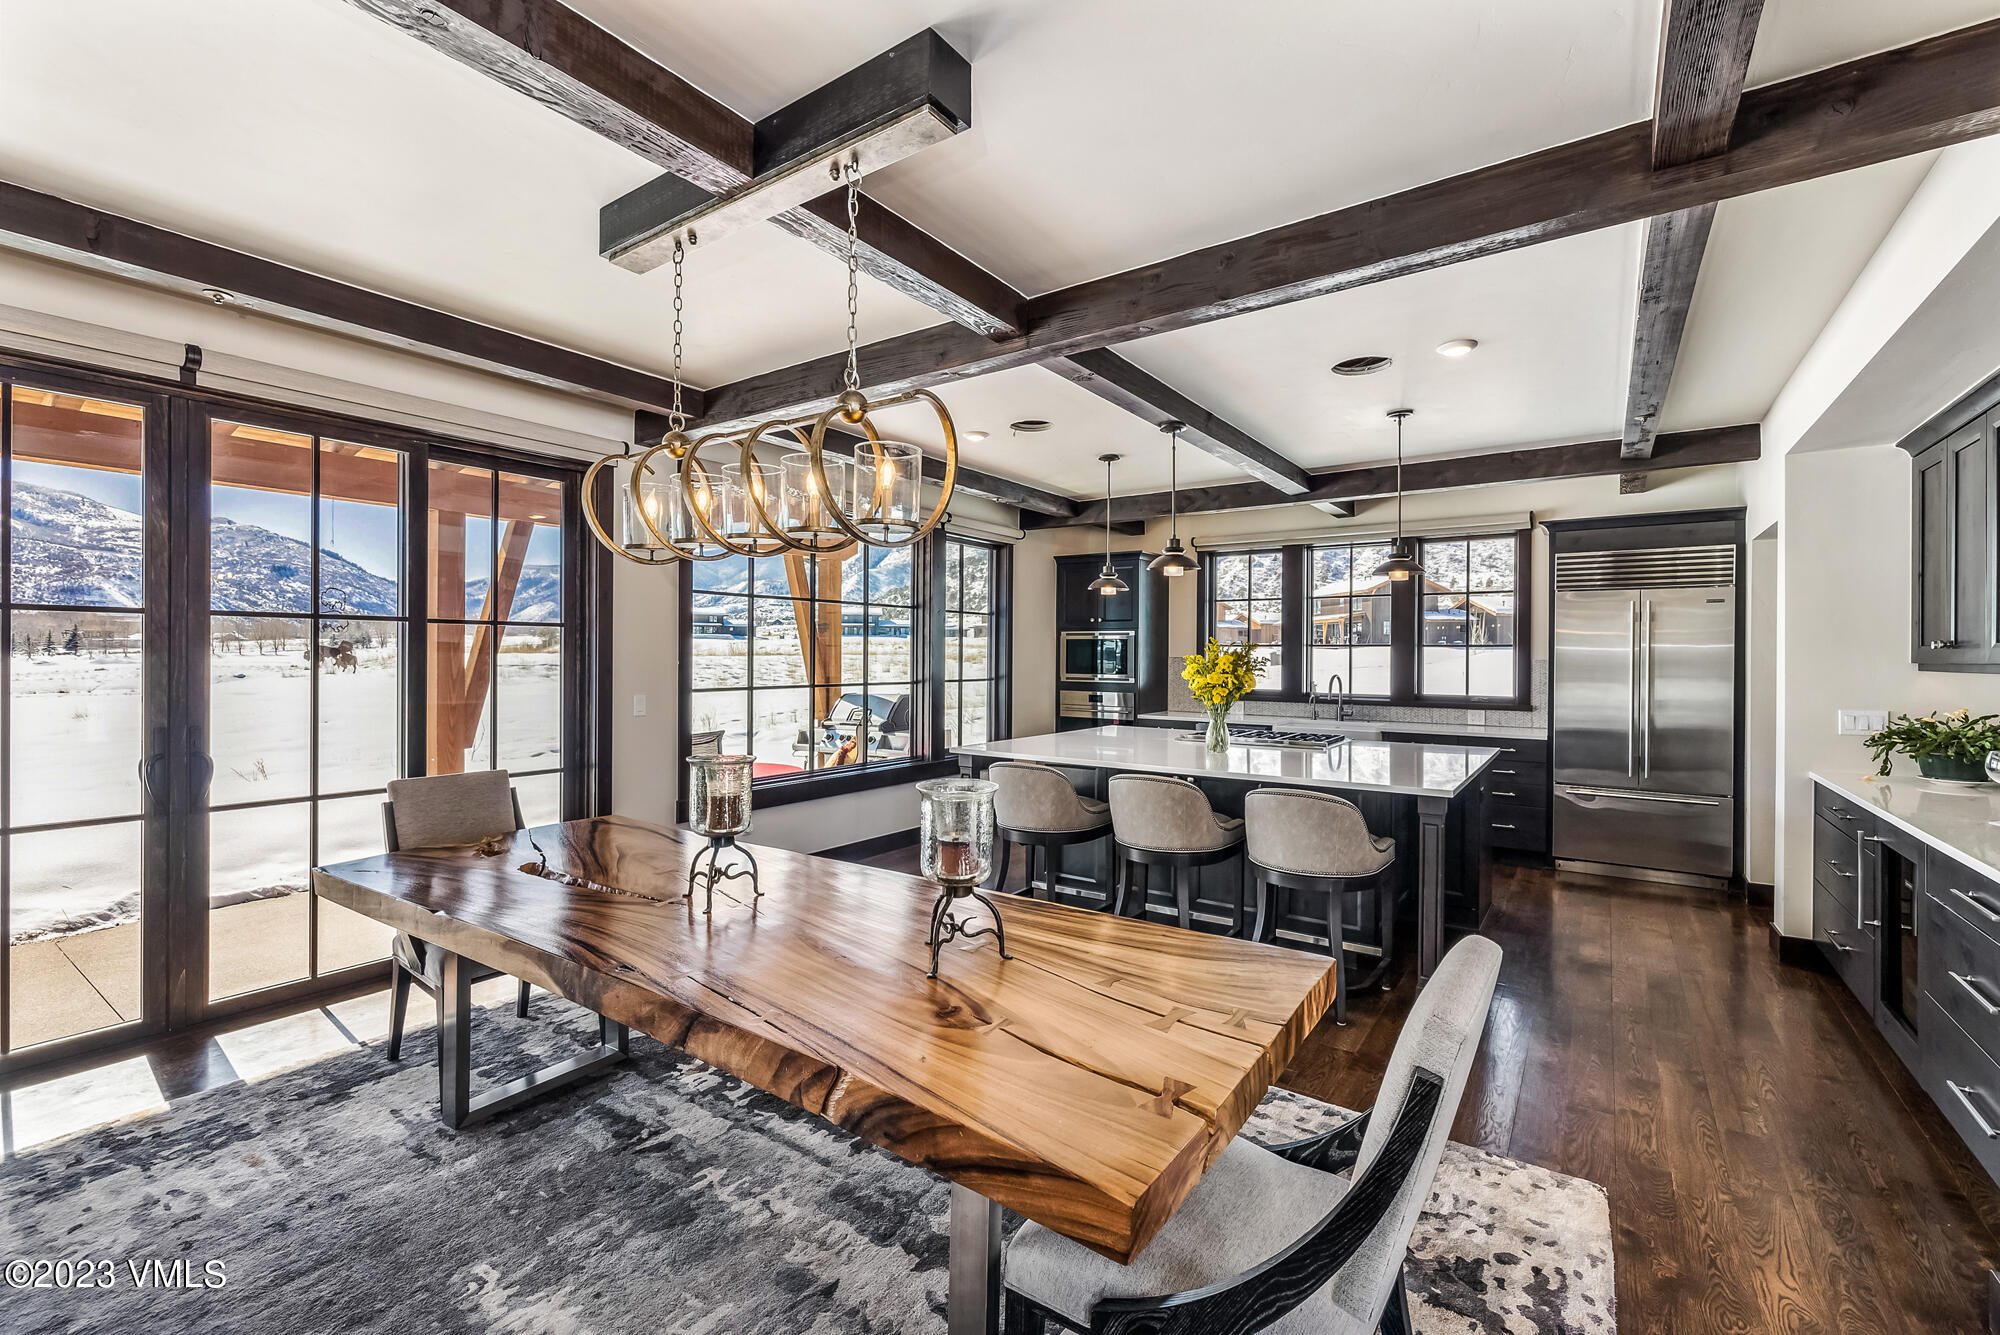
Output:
x,y
1475,717
638,706
1861,722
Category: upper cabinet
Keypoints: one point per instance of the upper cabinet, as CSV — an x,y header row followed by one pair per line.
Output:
x,y
1954,525
1080,607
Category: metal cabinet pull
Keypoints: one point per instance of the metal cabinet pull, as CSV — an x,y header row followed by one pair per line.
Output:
x,y
1498,793
1849,817
1971,985
1964,1093
1837,871
1992,915
1504,771
1872,922
1498,826
1833,939
1871,838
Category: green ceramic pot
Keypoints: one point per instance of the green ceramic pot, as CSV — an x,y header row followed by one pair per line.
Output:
x,y
1951,767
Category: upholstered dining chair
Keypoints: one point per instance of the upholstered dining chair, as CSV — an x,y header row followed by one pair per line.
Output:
x,y
1037,807
1301,840
441,811
1160,821
1279,1240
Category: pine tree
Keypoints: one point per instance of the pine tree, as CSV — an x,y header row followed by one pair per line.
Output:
x,y
73,642
49,642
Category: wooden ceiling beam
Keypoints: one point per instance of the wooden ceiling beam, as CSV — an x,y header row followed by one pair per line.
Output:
x,y
1115,380
1927,95
58,229
1704,59
549,52
1596,458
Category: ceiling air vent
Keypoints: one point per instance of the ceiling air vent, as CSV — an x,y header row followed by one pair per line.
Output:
x,y
1362,365
1031,424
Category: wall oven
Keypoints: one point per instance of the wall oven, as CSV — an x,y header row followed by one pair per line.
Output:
x,y
1104,656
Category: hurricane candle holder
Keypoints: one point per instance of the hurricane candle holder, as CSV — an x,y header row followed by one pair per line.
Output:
x,y
719,807
955,844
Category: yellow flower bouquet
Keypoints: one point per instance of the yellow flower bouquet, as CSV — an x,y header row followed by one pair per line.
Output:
x,y
1220,677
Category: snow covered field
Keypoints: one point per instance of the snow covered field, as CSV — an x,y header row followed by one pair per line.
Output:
x,y
77,740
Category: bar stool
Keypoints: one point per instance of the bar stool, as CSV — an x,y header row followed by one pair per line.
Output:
x,y
1315,841
1158,821
1036,807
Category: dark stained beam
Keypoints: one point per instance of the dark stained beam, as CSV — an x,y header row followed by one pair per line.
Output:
x,y
1940,91
1704,59
1114,379
1596,458
59,229
648,427
570,65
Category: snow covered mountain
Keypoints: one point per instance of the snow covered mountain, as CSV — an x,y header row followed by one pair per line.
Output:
x,y
73,549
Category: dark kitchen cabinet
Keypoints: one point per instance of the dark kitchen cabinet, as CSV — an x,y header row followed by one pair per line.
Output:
x,y
1080,607
1954,524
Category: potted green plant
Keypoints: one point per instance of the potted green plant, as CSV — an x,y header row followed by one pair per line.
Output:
x,y
1952,748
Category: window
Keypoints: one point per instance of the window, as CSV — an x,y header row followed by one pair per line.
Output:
x,y
973,691
1451,637
807,662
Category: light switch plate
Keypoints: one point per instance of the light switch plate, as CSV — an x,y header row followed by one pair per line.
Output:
x,y
638,706
1861,722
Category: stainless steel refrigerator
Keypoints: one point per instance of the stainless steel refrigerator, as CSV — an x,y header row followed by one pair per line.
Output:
x,y
1644,709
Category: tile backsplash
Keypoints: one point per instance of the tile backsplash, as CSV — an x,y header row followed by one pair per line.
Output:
x,y
1181,700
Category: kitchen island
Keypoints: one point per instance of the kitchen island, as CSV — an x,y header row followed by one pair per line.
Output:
x,y
1436,783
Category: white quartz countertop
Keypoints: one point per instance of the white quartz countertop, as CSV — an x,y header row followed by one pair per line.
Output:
x,y
1956,820
1416,769
1366,728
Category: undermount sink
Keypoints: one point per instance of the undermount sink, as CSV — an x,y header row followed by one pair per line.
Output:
x,y
1303,739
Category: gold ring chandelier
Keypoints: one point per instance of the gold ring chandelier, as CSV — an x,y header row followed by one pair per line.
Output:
x,y
812,499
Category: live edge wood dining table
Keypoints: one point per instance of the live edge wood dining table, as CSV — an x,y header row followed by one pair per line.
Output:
x,y
1086,1083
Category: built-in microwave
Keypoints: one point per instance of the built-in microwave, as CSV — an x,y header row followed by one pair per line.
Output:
x,y
1098,655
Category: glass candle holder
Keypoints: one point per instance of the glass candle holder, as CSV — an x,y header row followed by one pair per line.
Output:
x,y
955,841
888,489
641,492
719,794
740,520
802,509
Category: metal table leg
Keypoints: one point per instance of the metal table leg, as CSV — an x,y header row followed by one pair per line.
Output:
x,y
973,1304
456,1106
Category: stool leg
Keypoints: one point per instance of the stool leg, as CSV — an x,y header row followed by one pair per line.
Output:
x,y
1000,872
1263,894
1118,870
1336,914
1183,895
1385,897
1242,892
1052,868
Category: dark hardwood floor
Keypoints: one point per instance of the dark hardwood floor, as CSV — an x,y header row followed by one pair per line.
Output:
x,y
1770,1165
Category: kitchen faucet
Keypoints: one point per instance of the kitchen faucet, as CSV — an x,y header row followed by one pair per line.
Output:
x,y
1338,690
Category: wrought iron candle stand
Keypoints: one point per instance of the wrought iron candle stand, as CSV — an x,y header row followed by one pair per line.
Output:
x,y
956,847
719,807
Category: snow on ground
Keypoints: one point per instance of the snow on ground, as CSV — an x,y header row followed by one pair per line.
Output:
x,y
77,740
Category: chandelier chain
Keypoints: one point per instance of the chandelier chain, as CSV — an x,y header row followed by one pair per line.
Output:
x,y
676,416
853,374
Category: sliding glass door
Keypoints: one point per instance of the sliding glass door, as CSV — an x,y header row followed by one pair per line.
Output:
x,y
80,710
227,629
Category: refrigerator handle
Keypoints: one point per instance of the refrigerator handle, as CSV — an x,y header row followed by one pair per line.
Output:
x,y
1646,691
1631,688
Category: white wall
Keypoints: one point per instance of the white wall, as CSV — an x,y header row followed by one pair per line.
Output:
x,y
1846,626
1713,487
1760,712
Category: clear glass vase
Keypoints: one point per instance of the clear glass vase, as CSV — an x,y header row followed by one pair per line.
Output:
x,y
956,829
719,794
1218,727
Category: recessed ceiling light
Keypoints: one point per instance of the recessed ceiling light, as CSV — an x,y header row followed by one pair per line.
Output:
x,y
1362,365
975,436
1031,424
218,296
1457,347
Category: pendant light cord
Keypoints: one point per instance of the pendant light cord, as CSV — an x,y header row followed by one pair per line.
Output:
x,y
1173,486
1107,514
1399,486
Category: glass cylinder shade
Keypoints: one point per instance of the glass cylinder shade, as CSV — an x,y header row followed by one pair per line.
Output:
x,y
719,794
888,489
803,511
740,520
643,491
955,838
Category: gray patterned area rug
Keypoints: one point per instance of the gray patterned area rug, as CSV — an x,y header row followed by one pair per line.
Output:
x,y
666,1197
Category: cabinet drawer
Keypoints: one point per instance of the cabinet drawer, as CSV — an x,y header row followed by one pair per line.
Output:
x,y
1522,828
1518,784
1961,968
1836,860
1974,898
1849,949
1844,814
1964,1083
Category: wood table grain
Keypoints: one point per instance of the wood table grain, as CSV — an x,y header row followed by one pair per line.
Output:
x,y
1085,1084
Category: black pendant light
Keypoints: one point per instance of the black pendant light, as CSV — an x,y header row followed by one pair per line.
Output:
x,y
1107,581
1174,559
1400,565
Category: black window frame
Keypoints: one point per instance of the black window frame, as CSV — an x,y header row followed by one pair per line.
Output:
x,y
1406,631
927,586
999,637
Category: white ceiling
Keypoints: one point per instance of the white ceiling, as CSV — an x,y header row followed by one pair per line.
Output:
x,y
1106,135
